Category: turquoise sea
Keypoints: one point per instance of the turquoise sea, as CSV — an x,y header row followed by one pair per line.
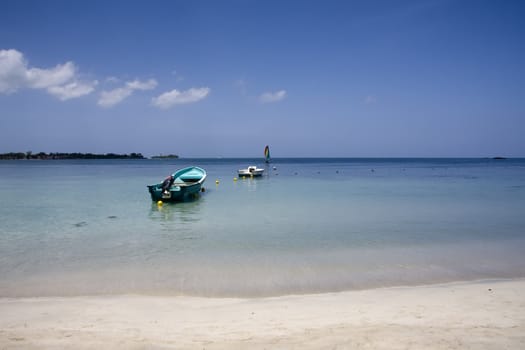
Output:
x,y
307,226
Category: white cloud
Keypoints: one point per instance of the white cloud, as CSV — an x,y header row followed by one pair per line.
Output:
x,y
110,98
60,81
44,78
63,82
175,97
13,70
113,97
269,97
139,85
72,90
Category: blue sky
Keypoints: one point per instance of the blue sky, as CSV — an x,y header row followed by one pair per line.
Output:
x,y
219,78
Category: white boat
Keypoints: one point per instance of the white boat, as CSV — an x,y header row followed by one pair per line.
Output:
x,y
252,170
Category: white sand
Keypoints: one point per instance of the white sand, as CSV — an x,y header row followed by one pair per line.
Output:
x,y
480,315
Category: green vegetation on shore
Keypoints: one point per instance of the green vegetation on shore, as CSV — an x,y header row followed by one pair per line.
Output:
x,y
48,156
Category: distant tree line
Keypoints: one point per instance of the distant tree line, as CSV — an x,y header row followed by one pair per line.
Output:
x,y
57,155
169,156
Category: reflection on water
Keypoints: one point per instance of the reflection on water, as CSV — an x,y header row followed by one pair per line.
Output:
x,y
249,182
183,212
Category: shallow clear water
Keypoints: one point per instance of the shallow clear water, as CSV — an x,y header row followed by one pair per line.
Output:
x,y
311,225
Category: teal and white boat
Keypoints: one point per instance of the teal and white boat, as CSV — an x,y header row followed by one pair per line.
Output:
x,y
182,185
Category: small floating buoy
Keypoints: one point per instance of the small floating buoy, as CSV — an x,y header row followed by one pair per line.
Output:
x,y
160,203
244,177
234,179
216,182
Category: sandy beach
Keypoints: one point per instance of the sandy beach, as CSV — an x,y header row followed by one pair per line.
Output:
x,y
473,315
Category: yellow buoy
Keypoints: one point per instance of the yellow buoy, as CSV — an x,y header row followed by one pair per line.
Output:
x,y
160,203
216,182
234,179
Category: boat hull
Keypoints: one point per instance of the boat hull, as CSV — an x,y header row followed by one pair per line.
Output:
x,y
186,186
252,170
248,173
175,193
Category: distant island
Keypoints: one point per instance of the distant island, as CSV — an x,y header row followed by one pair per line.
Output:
x,y
51,156
168,156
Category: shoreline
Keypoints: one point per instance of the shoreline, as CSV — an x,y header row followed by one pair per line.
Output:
x,y
483,314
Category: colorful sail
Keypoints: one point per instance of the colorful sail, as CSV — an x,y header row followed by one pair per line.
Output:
x,y
267,154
